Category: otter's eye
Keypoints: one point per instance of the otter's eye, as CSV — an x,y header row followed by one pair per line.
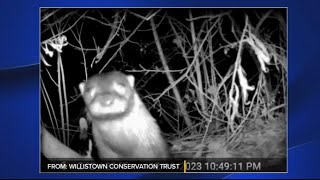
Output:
x,y
92,92
119,88
89,94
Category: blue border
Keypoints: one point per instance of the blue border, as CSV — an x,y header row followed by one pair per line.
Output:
x,y
19,92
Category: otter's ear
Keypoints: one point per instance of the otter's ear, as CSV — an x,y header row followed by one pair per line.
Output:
x,y
81,87
130,79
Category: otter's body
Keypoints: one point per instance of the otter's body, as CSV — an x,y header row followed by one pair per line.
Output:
x,y
122,126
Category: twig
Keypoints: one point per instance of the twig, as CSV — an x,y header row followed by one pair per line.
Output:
x,y
170,78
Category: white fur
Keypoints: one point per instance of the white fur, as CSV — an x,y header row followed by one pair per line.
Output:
x,y
140,122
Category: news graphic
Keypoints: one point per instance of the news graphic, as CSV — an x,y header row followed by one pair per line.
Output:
x,y
173,90
168,166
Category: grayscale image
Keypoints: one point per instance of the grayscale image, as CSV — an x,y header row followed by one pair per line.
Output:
x,y
164,83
